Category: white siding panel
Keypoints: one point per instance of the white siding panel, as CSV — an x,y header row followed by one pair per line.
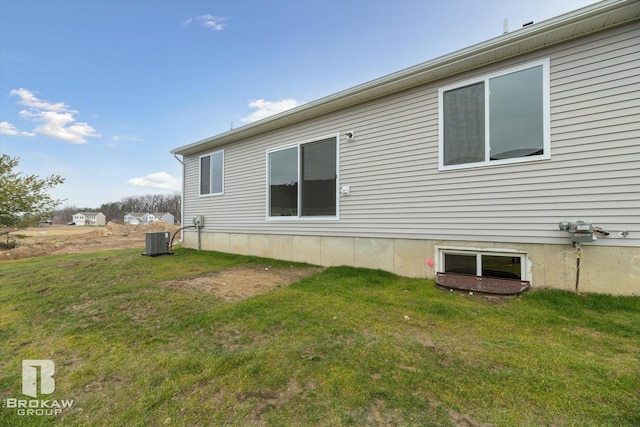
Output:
x,y
397,190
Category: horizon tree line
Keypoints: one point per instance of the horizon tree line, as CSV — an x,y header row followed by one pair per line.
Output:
x,y
115,211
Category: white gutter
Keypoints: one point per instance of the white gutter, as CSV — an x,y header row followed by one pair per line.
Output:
x,y
181,196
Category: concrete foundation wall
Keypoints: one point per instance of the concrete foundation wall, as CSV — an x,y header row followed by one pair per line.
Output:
x,y
604,269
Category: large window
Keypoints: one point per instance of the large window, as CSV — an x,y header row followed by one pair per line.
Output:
x,y
212,173
303,180
502,118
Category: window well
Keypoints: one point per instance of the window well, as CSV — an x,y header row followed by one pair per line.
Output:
x,y
490,272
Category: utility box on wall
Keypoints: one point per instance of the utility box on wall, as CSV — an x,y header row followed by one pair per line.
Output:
x,y
157,243
198,221
579,231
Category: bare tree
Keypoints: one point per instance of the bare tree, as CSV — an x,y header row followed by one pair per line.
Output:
x,y
65,214
115,211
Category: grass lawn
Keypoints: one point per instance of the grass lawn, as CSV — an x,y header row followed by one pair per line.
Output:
x,y
342,347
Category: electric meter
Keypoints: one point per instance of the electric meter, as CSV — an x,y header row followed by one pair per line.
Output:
x,y
579,231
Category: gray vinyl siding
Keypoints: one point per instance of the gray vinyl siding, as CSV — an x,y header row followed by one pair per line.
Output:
x,y
397,190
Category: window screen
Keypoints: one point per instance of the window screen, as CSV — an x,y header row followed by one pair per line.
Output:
x,y
319,178
283,182
464,125
212,173
205,175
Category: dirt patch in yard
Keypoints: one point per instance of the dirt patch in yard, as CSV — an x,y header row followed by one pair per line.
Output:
x,y
237,283
64,239
232,284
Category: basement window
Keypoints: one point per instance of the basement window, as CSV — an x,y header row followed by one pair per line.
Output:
x,y
495,271
485,264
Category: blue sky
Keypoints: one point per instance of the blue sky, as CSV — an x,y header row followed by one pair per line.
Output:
x,y
100,91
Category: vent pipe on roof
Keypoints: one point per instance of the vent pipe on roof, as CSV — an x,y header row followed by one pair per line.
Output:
x,y
505,26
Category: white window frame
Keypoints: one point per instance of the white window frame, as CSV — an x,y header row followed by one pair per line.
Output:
x,y
525,262
546,114
211,154
299,217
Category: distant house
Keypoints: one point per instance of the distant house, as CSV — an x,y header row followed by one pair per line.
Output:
x,y
163,217
136,218
139,218
464,164
89,218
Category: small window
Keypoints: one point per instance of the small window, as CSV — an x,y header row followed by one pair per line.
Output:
x,y
303,180
318,177
502,118
485,264
212,173
507,267
460,263
283,182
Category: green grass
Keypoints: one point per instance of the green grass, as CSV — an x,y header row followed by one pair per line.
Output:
x,y
334,349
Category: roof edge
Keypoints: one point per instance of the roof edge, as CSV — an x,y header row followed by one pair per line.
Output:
x,y
400,80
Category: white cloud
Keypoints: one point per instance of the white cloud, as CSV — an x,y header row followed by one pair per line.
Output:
x,y
55,118
118,138
159,180
7,128
60,126
268,108
211,22
29,99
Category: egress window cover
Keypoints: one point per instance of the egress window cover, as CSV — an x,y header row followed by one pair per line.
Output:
x,y
489,272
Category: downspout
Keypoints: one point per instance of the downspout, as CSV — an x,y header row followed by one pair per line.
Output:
x,y
181,195
578,256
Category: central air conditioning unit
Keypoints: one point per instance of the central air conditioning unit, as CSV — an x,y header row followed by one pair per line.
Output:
x,y
157,243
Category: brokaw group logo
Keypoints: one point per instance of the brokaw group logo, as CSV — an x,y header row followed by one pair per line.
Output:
x,y
30,377
32,370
